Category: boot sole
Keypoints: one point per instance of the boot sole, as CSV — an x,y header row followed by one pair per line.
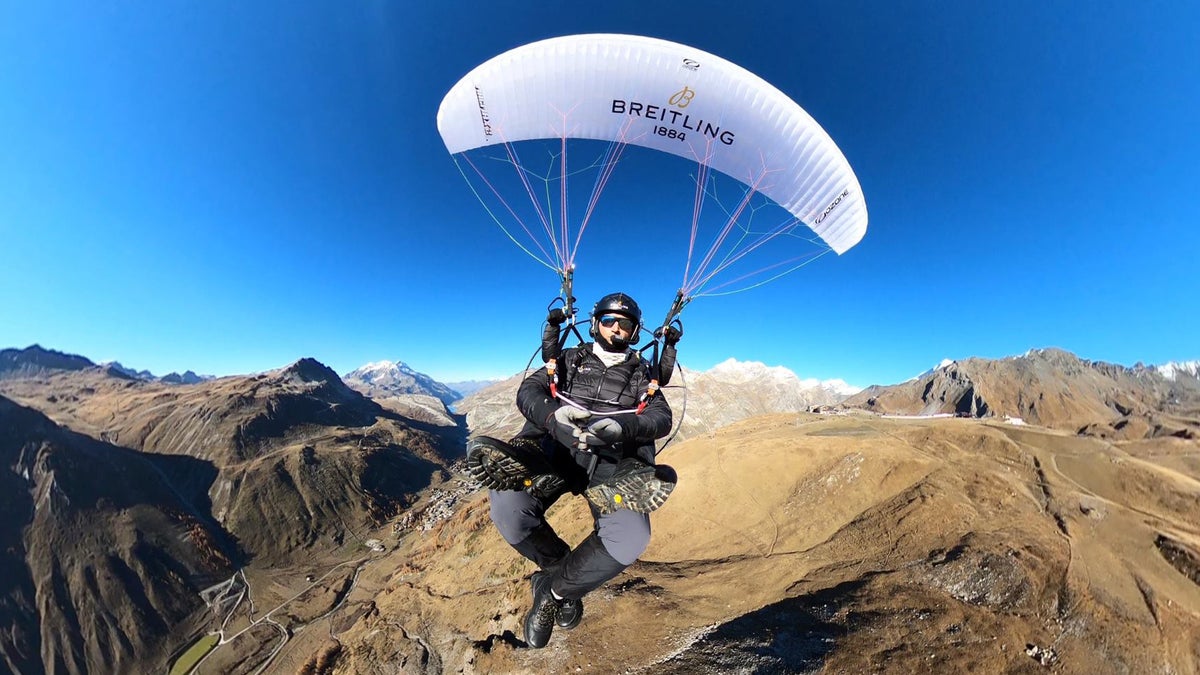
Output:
x,y
643,492
500,466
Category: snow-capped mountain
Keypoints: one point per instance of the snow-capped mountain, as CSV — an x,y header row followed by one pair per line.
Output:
x,y
1173,369
728,392
733,371
943,364
734,390
388,378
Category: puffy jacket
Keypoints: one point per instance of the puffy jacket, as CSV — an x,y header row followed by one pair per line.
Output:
x,y
584,378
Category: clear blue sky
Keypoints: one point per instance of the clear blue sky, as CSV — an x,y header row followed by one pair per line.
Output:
x,y
227,187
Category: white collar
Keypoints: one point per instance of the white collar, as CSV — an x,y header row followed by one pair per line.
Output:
x,y
609,359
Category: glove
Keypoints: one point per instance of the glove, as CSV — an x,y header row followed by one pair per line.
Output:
x,y
604,431
566,425
671,336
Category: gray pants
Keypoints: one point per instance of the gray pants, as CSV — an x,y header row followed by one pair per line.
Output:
x,y
615,543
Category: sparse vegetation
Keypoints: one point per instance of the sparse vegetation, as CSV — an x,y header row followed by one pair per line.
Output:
x,y
184,664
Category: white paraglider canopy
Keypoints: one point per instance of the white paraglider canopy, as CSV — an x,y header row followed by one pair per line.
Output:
x,y
668,97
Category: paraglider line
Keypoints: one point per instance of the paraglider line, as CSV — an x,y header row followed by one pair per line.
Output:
x,y
736,255
697,206
712,251
612,155
568,256
711,293
546,224
496,220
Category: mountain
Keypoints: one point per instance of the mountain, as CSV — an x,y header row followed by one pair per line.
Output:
x,y
1052,388
348,541
102,560
1185,370
492,411
128,372
801,543
34,361
468,387
280,468
706,401
387,378
735,390
188,377
294,452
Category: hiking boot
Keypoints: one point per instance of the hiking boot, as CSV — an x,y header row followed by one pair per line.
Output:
x,y
519,465
544,485
540,620
635,485
570,613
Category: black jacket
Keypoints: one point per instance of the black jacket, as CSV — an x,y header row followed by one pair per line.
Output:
x,y
584,378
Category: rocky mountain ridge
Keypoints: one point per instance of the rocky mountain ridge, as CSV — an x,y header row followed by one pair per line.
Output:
x,y
1053,388
705,400
388,378
35,360
102,559
262,470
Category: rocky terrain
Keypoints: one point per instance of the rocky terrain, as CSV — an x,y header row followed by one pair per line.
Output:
x,y
101,557
800,543
703,401
387,378
1052,388
285,523
261,470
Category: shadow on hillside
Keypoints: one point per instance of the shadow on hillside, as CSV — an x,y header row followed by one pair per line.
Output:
x,y
790,636
452,441
192,480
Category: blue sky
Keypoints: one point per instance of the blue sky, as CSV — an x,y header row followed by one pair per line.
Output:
x,y
228,187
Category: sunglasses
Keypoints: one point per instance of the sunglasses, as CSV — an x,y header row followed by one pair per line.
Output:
x,y
609,320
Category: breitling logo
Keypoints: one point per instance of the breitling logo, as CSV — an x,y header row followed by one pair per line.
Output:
x,y
682,98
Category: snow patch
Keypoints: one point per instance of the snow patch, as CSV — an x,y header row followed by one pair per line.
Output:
x,y
732,370
1174,369
943,364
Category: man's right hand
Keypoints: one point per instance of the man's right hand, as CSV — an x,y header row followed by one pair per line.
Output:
x,y
566,425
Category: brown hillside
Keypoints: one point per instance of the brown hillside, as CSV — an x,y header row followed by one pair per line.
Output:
x,y
838,544
1049,387
263,473
293,454
101,560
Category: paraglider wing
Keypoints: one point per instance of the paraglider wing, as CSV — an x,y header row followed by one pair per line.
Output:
x,y
668,97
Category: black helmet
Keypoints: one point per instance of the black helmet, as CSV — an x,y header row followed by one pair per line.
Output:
x,y
617,303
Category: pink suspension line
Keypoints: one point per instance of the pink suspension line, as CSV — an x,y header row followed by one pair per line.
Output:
x,y
612,155
697,206
691,287
807,258
536,240
546,224
733,258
